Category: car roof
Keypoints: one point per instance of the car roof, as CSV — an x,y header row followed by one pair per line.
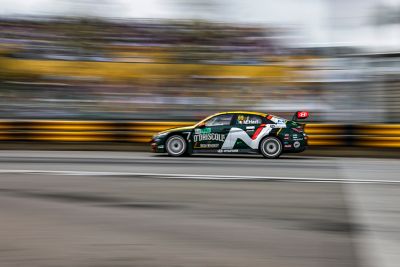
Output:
x,y
241,111
233,112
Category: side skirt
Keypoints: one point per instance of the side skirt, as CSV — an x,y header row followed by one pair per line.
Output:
x,y
226,151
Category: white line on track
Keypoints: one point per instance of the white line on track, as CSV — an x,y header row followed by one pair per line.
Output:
x,y
203,176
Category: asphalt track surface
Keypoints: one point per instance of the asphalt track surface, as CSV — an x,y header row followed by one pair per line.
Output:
x,y
139,209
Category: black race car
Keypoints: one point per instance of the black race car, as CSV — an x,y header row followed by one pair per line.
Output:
x,y
235,132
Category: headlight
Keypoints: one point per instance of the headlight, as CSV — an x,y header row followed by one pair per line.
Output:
x,y
157,136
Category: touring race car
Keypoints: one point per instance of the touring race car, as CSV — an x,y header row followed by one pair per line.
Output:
x,y
235,132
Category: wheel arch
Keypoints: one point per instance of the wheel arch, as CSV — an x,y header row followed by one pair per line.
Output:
x,y
276,132
270,135
189,149
176,133
264,152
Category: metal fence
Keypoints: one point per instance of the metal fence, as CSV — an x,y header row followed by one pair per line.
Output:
x,y
377,135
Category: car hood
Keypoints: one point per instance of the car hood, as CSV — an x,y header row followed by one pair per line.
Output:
x,y
178,129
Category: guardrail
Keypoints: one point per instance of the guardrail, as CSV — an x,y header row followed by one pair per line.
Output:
x,y
377,135
327,134
83,131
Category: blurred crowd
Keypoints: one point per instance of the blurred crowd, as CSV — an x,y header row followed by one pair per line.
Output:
x,y
71,68
140,41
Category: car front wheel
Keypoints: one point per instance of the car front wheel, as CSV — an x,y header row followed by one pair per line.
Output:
x,y
271,147
176,146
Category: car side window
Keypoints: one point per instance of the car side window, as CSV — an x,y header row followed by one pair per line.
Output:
x,y
220,120
248,119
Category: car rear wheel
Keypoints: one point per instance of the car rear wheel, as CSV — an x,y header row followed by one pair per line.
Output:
x,y
176,146
271,147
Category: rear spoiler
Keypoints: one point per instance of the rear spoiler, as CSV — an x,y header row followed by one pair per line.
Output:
x,y
300,115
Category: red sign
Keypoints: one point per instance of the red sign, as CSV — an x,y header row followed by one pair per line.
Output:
x,y
302,114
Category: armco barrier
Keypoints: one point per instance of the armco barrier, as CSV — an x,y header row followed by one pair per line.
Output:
x,y
327,134
379,135
83,131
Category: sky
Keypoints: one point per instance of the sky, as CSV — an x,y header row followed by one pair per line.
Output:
x,y
315,22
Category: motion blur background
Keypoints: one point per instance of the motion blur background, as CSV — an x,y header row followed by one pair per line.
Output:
x,y
182,60
107,74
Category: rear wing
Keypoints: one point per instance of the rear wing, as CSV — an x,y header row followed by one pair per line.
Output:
x,y
300,115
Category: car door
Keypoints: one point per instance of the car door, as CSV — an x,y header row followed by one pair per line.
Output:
x,y
211,135
245,130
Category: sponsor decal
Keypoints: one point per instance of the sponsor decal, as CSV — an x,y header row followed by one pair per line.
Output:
x,y
228,150
208,146
277,120
296,137
246,120
288,146
296,144
209,137
286,137
202,131
302,114
161,146
250,122
253,142
250,127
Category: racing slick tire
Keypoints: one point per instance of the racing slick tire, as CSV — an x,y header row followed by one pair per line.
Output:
x,y
176,146
271,147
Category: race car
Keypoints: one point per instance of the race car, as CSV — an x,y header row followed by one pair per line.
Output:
x,y
235,132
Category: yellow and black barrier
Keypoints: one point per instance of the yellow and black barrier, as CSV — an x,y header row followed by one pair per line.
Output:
x,y
83,131
326,134
378,135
